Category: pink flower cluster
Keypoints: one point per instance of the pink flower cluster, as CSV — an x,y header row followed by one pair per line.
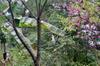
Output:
x,y
78,1
72,11
98,8
86,29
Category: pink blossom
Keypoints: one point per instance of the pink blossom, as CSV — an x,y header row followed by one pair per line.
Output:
x,y
78,1
78,24
98,36
69,7
98,8
72,11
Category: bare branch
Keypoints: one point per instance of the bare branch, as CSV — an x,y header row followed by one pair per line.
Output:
x,y
17,33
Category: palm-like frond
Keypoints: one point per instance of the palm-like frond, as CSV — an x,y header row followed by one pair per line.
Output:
x,y
31,22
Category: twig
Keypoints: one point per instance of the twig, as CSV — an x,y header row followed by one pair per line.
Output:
x,y
28,9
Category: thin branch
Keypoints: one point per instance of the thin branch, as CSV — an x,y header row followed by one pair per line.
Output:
x,y
13,24
28,9
42,8
39,13
37,7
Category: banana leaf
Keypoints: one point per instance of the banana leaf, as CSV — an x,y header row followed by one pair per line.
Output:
x,y
31,22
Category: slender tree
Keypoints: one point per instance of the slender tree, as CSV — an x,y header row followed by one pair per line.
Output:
x,y
40,9
29,49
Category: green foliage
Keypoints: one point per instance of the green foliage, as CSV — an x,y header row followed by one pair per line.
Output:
x,y
31,22
59,43
3,6
2,19
18,9
61,21
20,58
